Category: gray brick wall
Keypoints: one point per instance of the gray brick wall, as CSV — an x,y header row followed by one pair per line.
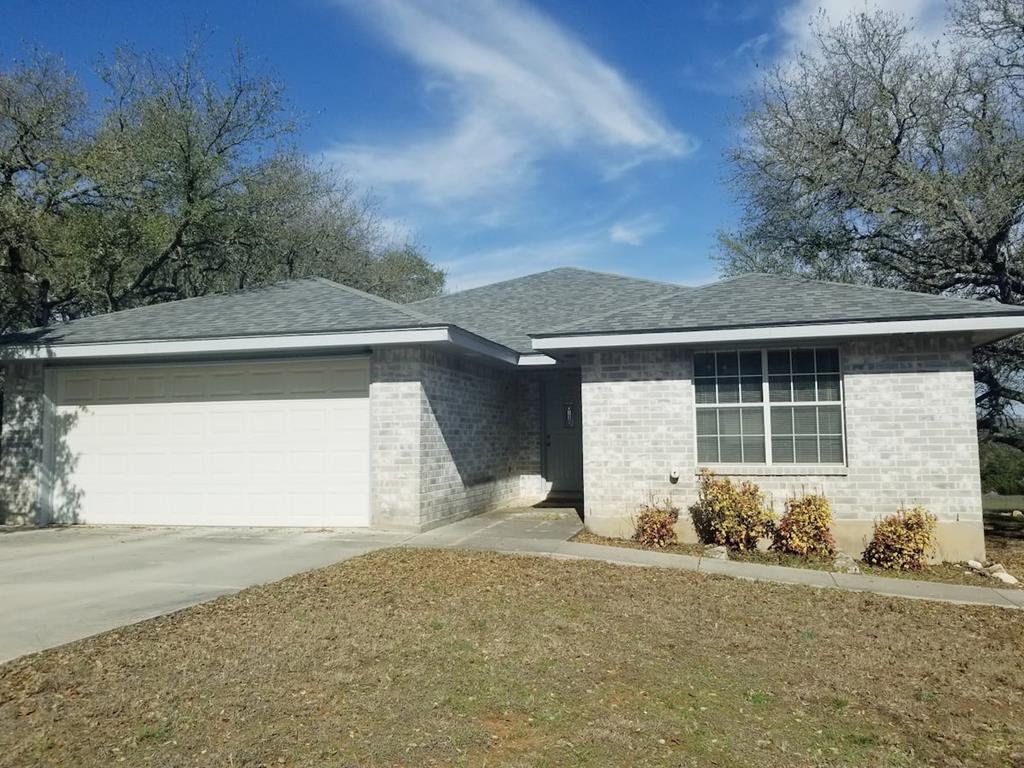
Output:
x,y
910,425
461,433
21,442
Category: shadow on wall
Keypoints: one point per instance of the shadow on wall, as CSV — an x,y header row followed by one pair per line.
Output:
x,y
476,412
24,477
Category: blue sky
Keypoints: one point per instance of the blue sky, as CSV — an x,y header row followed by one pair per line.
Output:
x,y
504,137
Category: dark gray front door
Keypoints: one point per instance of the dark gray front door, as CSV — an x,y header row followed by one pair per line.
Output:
x,y
563,433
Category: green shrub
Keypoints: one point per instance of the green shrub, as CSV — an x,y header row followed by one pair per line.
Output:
x,y
654,524
1002,469
805,527
902,541
733,514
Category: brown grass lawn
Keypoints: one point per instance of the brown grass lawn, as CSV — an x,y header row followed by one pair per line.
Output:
x,y
421,658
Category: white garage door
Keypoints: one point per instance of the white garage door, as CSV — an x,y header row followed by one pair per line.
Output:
x,y
254,443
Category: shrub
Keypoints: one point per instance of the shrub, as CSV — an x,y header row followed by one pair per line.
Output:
x,y
733,514
1002,469
654,525
902,541
804,527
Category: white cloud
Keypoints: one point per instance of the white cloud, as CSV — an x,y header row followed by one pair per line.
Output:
x,y
520,86
927,17
635,231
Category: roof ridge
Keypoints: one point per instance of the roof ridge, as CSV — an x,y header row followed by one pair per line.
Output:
x,y
123,312
547,272
488,285
611,313
403,308
858,286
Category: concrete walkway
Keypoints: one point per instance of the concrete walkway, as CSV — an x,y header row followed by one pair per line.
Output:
x,y
545,532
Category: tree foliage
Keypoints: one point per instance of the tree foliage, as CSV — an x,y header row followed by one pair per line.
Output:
x,y
876,159
179,184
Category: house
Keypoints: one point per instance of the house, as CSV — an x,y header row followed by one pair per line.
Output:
x,y
308,403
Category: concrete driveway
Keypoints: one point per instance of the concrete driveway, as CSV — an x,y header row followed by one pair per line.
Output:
x,y
62,584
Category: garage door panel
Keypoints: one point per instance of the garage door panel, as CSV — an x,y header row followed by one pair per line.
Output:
x,y
273,443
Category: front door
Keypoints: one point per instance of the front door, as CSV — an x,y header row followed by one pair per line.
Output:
x,y
563,433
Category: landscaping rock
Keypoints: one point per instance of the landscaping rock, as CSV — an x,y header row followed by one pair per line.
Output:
x,y
844,563
764,544
992,570
1004,577
1017,513
716,553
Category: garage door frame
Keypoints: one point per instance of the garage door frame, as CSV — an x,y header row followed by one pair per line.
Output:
x,y
45,483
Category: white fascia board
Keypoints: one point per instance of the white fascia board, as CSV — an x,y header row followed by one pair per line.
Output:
x,y
473,343
1012,323
533,360
267,344
158,348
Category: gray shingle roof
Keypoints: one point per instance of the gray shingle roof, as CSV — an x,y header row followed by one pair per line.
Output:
x,y
310,305
506,312
752,300
560,301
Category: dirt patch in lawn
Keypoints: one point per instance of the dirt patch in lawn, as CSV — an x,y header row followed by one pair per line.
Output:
x,y
420,658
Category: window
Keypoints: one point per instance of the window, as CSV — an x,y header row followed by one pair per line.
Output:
x,y
769,406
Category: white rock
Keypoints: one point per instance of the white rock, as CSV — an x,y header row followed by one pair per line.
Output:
x,y
844,563
1004,577
975,565
995,568
716,553
1017,513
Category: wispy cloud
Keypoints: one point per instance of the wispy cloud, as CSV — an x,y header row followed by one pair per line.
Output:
x,y
635,231
520,89
797,20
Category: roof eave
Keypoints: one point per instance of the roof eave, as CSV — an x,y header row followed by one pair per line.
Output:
x,y
1001,325
156,349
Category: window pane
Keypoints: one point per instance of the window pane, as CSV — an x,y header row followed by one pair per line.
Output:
x,y
753,448
806,449
778,389
803,361
729,390
750,389
728,421
831,449
731,449
707,421
750,363
782,421
828,360
728,364
778,361
704,390
829,420
704,364
828,387
753,421
707,449
782,449
803,389
805,421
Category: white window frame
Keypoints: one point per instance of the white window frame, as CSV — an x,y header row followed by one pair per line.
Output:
x,y
766,404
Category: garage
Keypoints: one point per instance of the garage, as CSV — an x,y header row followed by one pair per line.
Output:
x,y
267,443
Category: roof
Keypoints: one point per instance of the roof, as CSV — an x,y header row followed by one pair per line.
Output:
x,y
308,305
757,300
558,302
506,312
